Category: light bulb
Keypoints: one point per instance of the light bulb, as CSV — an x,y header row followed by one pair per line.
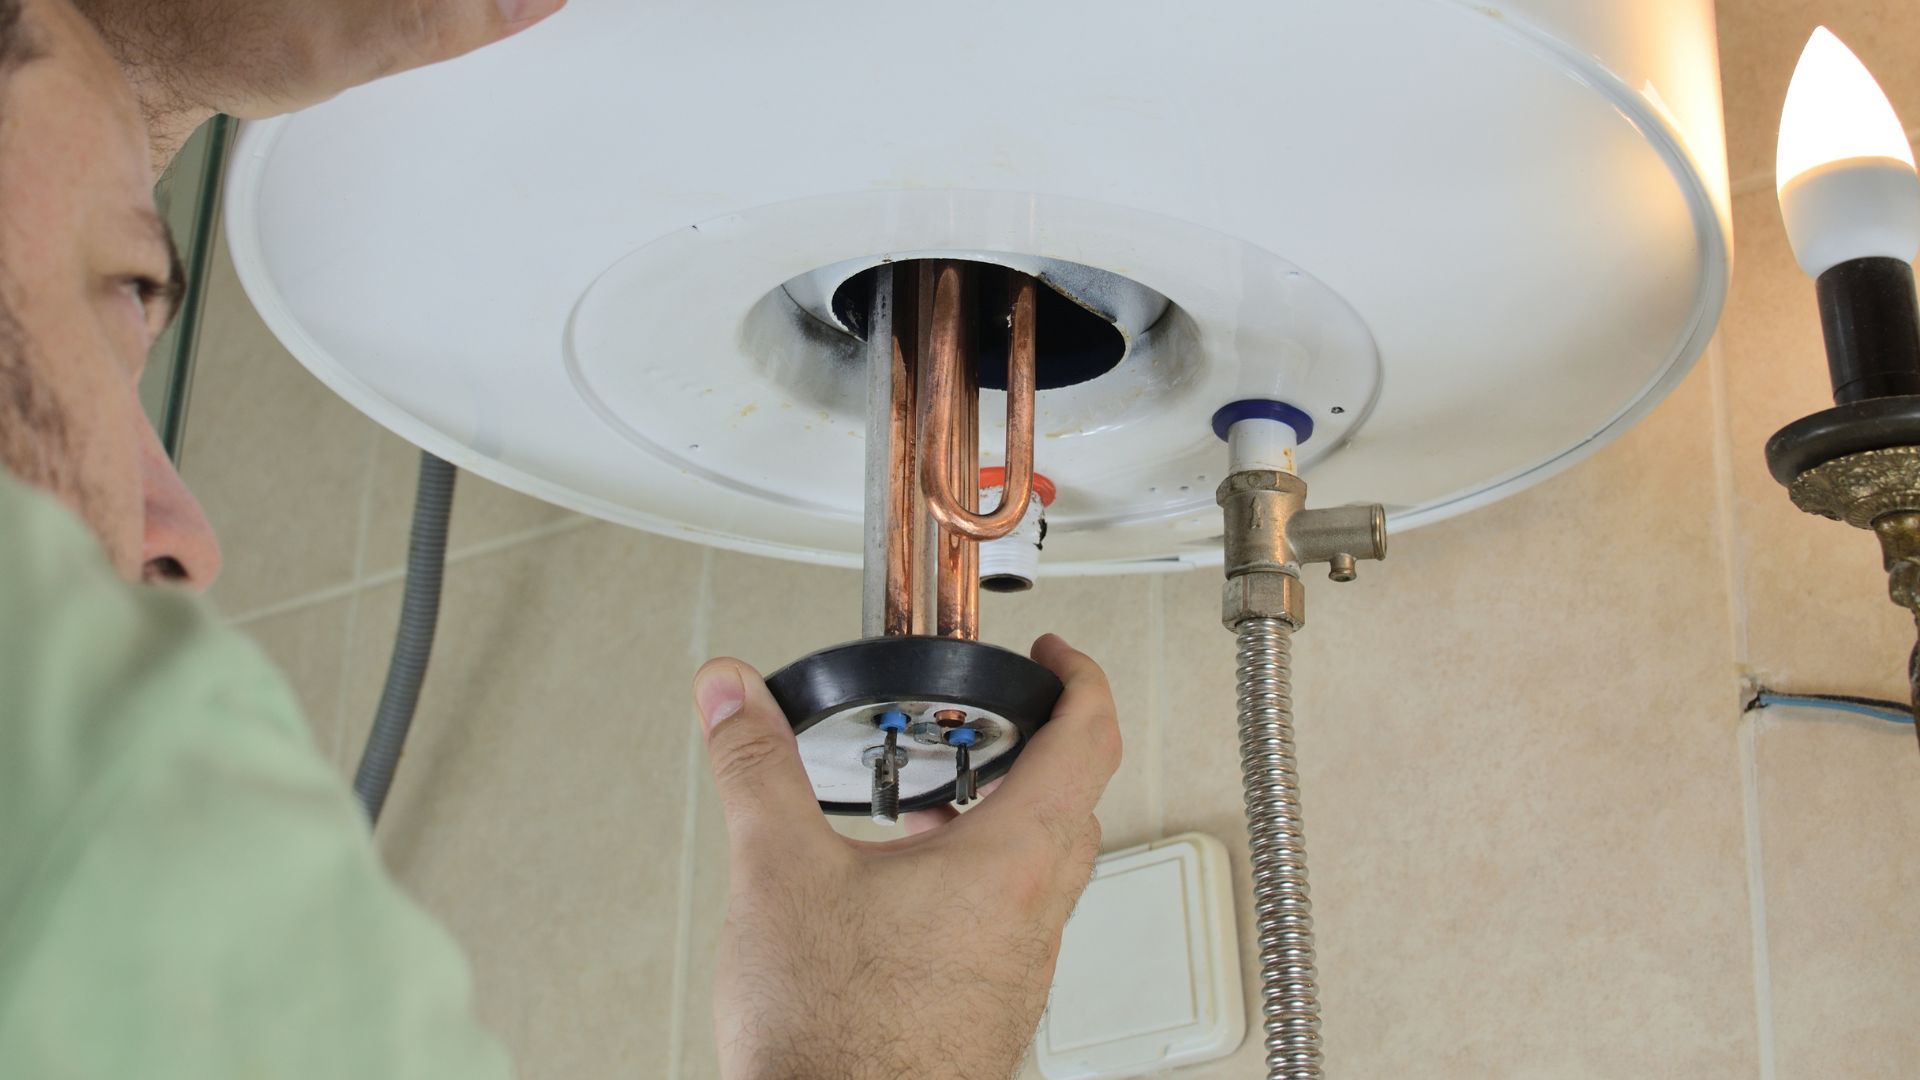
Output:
x,y
1844,169
1835,111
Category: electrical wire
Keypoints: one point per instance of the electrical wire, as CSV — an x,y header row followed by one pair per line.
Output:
x,y
1893,712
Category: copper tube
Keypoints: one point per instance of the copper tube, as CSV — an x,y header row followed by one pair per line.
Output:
x,y
918,300
957,592
965,469
952,396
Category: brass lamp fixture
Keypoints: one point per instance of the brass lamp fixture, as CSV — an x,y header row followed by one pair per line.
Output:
x,y
1851,202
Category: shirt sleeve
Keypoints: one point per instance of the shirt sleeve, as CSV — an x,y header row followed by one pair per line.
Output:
x,y
187,890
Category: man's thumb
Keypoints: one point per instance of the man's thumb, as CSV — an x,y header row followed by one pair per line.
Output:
x,y
756,762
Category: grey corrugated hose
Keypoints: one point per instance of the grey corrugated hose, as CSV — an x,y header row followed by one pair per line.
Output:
x,y
413,644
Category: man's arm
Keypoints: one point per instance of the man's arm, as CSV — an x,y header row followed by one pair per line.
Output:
x,y
187,891
190,59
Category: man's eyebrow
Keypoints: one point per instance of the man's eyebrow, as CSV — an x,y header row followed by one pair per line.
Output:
x,y
173,291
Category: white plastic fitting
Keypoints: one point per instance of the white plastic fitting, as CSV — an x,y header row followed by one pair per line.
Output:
x,y
1011,563
1261,444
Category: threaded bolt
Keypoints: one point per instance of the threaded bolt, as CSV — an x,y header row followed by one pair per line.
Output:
x,y
886,796
886,760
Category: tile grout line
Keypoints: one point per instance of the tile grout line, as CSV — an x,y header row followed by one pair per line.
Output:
x,y
1727,505
1756,891
388,577
699,640
352,626
1158,705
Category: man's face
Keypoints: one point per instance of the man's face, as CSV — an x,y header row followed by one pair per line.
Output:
x,y
88,279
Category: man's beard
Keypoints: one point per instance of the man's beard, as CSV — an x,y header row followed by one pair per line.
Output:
x,y
35,444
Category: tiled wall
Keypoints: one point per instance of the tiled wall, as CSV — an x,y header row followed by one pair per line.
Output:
x,y
1545,840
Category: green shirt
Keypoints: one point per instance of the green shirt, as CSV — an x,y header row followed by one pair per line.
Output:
x,y
187,889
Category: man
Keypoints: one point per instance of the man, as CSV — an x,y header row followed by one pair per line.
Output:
x,y
186,889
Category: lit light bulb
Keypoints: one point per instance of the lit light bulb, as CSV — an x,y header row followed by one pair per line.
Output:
x,y
1835,111
1844,169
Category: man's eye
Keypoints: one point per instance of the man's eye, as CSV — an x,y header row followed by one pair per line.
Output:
x,y
143,291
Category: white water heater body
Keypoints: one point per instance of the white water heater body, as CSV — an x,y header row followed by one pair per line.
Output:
x,y
596,263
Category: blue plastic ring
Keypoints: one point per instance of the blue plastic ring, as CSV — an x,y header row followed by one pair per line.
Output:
x,y
962,736
891,720
1262,409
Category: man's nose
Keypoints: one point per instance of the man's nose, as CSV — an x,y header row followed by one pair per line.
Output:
x,y
178,546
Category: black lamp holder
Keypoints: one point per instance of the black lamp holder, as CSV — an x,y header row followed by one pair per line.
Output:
x,y
1859,462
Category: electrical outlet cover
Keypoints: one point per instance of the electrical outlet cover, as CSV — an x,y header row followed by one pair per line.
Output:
x,y
1149,972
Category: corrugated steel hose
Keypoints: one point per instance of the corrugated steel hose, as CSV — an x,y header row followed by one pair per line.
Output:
x,y
1290,1009
413,642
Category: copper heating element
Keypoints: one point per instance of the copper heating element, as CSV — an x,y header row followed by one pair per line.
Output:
x,y
933,520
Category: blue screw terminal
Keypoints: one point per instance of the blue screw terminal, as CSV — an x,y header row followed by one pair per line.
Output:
x,y
962,736
893,720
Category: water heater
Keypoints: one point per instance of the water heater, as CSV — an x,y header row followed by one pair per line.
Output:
x,y
617,262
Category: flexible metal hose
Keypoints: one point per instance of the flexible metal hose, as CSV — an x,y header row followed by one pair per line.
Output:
x,y
413,642
1290,1006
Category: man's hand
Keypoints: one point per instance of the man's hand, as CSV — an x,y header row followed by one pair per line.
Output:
x,y
926,957
189,59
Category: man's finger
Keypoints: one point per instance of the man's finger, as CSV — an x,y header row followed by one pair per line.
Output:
x,y
423,32
764,790
1064,769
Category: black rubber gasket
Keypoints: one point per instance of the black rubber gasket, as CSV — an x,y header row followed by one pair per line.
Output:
x,y
879,670
1873,424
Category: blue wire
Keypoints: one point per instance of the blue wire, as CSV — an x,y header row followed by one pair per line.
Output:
x,y
1766,699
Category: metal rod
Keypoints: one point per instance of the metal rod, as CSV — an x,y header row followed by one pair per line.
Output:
x,y
885,447
953,397
906,505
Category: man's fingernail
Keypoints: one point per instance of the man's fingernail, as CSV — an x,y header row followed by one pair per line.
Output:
x,y
521,13
718,694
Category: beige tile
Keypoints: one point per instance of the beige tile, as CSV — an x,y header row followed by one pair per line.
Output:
x,y
482,510
1839,808
771,613
1760,40
1109,619
707,912
1522,800
1817,617
541,807
279,461
308,644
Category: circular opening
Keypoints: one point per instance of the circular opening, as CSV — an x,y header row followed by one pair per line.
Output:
x,y
1072,345
1006,583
